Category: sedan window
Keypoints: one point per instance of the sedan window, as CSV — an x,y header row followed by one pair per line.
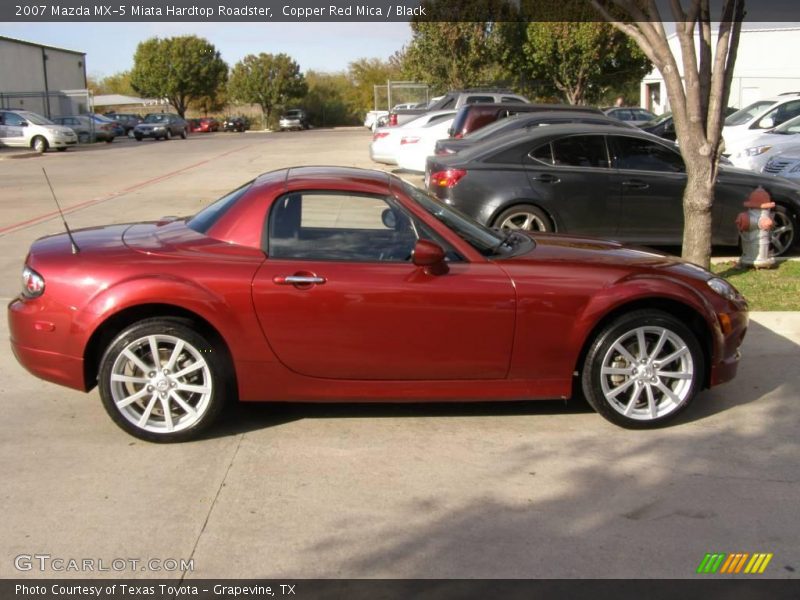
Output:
x,y
321,225
580,151
643,155
479,100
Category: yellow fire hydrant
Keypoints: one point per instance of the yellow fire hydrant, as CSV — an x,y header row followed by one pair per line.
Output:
x,y
754,227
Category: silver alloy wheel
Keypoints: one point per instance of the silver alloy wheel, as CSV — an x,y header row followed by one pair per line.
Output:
x,y
161,384
647,373
781,236
40,145
525,220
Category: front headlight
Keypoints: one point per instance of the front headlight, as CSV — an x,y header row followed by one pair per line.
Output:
x,y
756,150
32,283
723,288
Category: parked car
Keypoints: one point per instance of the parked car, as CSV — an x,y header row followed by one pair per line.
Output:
x,y
630,114
366,278
294,119
784,165
25,129
456,99
663,126
597,180
204,125
127,120
236,124
756,154
416,144
372,116
386,140
161,126
745,125
475,116
90,128
523,121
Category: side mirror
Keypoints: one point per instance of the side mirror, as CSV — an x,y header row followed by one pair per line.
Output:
x,y
23,124
430,256
766,123
388,218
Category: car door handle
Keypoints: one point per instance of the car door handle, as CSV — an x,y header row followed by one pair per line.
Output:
x,y
637,184
545,178
298,280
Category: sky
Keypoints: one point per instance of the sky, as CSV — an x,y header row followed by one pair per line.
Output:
x,y
328,47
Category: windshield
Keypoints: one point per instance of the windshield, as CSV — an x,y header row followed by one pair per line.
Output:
x,y
789,128
156,118
489,130
34,118
740,117
484,240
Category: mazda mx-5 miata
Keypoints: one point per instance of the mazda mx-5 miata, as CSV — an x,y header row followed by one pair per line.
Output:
x,y
325,284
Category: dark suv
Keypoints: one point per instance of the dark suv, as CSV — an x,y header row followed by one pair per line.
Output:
x,y
474,116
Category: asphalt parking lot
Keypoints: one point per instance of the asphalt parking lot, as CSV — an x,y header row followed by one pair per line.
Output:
x,y
508,490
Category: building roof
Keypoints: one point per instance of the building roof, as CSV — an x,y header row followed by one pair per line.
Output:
x,y
37,45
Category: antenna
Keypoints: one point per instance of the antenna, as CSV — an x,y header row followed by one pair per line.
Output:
x,y
75,248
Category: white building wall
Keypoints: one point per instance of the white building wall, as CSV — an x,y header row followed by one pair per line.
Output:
x,y
766,65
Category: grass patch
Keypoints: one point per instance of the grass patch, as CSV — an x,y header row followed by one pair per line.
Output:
x,y
765,289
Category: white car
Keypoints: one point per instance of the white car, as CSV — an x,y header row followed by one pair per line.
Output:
x,y
386,140
760,150
745,125
418,144
25,129
784,165
372,118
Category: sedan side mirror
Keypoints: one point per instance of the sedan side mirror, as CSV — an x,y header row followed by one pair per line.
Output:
x,y
430,256
23,124
766,123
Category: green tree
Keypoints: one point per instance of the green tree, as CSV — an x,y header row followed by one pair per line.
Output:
x,y
269,80
364,75
118,83
328,99
181,69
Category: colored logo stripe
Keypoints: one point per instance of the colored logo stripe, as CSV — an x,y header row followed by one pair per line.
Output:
x,y
720,562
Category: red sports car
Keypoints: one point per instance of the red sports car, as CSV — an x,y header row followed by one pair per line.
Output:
x,y
204,125
329,284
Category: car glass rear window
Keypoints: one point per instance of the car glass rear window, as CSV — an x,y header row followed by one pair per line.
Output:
x,y
205,219
479,100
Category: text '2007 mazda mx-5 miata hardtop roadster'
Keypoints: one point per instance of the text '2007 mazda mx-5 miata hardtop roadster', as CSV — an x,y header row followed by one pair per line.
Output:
x,y
324,284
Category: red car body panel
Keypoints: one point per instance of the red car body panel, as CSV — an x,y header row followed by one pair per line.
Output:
x,y
487,330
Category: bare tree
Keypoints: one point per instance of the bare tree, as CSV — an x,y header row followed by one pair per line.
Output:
x,y
698,99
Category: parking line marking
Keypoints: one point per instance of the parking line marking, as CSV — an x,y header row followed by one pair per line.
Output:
x,y
81,205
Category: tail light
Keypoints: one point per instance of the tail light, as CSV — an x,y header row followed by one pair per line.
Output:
x,y
378,135
392,120
448,178
409,140
32,283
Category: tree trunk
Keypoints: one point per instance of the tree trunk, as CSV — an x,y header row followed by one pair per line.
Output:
x,y
698,199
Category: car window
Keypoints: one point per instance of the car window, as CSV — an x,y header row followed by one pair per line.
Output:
x,y
13,119
740,117
543,154
780,114
789,127
642,115
643,155
323,225
479,100
580,151
512,100
438,118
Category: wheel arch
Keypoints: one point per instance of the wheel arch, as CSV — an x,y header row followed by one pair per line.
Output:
x,y
685,313
519,202
114,324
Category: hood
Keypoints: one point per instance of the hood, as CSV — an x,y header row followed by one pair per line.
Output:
x,y
579,250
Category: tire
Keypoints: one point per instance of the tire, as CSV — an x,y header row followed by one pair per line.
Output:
x,y
620,387
138,393
168,135
39,144
83,138
108,141
784,235
184,134
524,216
138,138
61,149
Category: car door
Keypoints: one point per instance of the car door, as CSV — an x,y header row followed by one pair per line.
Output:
x,y
570,175
13,130
650,179
338,296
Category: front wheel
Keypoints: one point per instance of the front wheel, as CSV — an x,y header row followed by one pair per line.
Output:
x,y
524,216
783,236
643,369
162,381
39,144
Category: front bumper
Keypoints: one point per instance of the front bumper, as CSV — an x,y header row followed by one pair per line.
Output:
x,y
150,132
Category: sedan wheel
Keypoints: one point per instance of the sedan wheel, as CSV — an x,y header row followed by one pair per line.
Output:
x,y
161,381
40,145
782,236
526,217
168,135
643,369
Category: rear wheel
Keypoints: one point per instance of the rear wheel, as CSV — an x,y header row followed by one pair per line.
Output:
x,y
161,380
39,144
184,133
524,216
138,137
784,235
643,369
168,135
